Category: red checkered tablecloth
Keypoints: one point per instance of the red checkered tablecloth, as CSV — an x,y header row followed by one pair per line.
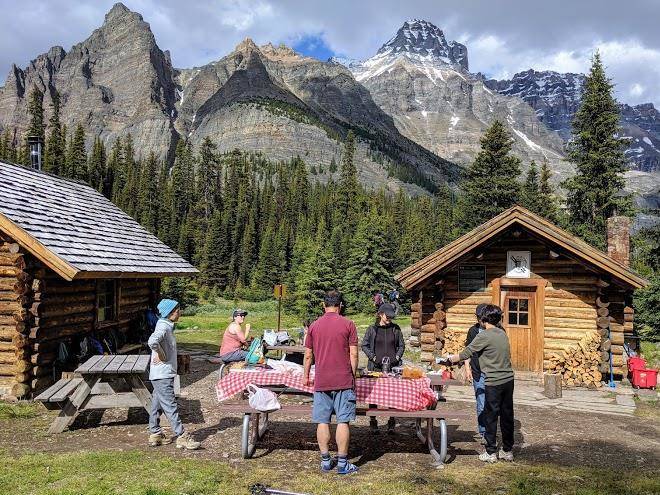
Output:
x,y
395,393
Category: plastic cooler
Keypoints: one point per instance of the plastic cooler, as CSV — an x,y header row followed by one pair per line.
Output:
x,y
643,378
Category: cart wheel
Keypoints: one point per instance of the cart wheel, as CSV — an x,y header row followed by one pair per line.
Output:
x,y
249,434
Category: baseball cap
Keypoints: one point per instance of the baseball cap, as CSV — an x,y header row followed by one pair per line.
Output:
x,y
387,309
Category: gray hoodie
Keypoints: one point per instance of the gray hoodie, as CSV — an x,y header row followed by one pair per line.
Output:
x,y
163,337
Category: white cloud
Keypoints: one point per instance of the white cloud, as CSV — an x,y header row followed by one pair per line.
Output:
x,y
503,37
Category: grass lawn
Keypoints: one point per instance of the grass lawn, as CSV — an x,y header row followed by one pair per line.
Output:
x,y
208,323
141,473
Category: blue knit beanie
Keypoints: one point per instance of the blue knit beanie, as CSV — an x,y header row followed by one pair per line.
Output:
x,y
166,306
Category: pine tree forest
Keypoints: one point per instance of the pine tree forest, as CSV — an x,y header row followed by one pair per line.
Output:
x,y
249,223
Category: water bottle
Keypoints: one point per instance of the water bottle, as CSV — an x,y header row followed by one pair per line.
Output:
x,y
386,364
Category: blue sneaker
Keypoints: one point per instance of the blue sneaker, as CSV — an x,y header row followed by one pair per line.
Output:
x,y
347,468
327,466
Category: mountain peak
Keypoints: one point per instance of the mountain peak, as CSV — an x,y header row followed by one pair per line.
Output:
x,y
425,39
247,45
117,11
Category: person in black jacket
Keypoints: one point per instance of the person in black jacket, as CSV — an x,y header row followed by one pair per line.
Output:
x,y
383,339
473,372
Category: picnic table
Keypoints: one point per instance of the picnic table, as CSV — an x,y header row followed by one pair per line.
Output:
x,y
101,382
287,349
394,397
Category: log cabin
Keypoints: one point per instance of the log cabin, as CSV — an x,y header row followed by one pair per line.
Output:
x,y
567,305
72,264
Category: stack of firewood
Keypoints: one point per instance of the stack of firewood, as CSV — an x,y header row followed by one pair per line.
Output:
x,y
579,364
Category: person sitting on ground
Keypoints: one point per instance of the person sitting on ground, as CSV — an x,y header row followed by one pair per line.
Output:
x,y
234,338
161,374
332,343
473,372
383,339
492,346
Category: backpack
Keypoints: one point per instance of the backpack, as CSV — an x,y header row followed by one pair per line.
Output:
x,y
255,353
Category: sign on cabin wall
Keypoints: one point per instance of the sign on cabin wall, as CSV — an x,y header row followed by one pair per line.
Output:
x,y
471,278
518,264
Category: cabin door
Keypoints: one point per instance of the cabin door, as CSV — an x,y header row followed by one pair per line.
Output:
x,y
519,317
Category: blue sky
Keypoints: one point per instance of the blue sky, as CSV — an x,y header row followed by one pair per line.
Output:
x,y
503,37
313,45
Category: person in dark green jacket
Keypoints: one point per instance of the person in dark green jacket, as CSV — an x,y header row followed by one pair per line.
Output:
x,y
383,339
492,347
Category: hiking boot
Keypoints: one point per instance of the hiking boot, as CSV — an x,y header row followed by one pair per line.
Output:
x,y
185,441
158,439
329,465
347,468
505,456
373,426
391,424
489,458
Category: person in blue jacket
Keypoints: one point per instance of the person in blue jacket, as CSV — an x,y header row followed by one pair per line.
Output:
x,y
161,374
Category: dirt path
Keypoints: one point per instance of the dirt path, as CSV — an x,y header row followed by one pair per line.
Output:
x,y
542,435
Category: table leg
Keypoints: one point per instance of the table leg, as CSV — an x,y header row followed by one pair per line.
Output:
x,y
72,407
141,391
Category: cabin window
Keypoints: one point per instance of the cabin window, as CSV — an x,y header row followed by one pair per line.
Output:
x,y
518,311
471,278
106,300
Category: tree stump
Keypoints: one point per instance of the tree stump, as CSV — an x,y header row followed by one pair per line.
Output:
x,y
552,385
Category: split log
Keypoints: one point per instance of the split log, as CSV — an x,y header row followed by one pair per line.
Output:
x,y
603,312
426,357
617,350
552,385
603,321
7,369
427,338
439,332
602,301
7,332
428,328
439,325
428,347
43,358
6,346
7,357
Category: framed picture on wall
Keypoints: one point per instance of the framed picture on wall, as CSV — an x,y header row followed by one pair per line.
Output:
x,y
471,278
518,264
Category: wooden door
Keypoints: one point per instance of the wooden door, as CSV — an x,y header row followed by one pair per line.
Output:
x,y
519,323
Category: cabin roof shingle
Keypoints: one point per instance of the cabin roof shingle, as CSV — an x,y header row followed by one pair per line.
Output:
x,y
416,274
76,231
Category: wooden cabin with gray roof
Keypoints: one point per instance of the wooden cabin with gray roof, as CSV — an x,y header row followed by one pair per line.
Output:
x,y
74,269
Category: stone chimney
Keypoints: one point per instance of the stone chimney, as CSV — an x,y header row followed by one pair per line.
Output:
x,y
618,239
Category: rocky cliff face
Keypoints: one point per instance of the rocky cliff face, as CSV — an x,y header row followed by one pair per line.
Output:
x,y
273,100
556,98
422,81
115,82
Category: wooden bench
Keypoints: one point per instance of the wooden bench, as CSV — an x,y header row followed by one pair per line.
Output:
x,y
256,423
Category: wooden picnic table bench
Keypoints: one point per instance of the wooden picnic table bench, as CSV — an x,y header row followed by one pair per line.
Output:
x,y
256,423
101,382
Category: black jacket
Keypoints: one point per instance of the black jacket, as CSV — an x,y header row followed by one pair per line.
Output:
x,y
369,346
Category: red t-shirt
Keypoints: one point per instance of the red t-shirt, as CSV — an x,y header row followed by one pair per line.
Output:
x,y
329,338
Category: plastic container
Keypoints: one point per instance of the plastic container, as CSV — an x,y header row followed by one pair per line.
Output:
x,y
643,378
636,363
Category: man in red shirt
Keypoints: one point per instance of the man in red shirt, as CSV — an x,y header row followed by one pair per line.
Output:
x,y
333,345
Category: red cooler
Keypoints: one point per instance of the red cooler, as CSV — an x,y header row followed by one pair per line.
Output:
x,y
643,378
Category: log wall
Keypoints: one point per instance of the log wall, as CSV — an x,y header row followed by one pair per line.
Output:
x,y
570,311
38,310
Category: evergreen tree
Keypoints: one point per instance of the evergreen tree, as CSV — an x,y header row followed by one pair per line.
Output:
x,y
368,269
96,169
549,208
647,300
593,193
36,127
55,153
530,191
217,253
490,184
76,156
147,211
